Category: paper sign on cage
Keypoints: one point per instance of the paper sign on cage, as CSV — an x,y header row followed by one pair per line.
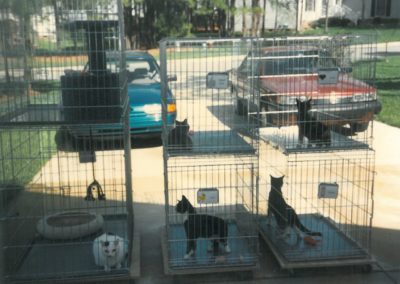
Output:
x,y
328,190
328,75
87,156
217,80
208,196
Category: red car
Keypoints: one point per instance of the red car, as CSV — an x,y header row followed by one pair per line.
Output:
x,y
279,75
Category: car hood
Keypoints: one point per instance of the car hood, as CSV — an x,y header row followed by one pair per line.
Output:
x,y
142,94
308,85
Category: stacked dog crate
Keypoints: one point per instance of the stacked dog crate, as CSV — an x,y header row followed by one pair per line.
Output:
x,y
318,99
65,142
210,160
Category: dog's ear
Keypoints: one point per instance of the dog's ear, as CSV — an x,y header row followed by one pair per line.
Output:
x,y
184,121
184,197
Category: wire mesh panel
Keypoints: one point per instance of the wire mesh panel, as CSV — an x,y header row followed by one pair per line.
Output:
x,y
65,185
199,75
55,203
60,62
321,212
223,191
210,158
316,92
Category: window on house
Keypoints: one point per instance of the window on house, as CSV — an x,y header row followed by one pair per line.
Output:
x,y
310,5
380,8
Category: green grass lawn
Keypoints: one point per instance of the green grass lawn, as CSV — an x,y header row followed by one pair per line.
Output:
x,y
388,83
23,153
383,34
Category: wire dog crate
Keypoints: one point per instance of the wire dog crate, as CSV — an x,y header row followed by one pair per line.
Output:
x,y
317,92
331,194
210,160
317,100
65,173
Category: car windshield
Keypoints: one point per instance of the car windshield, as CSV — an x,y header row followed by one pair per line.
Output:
x,y
139,70
293,62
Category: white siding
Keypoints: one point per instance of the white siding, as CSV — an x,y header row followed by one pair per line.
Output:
x,y
356,7
45,24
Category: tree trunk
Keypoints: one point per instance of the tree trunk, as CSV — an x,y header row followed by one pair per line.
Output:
x,y
221,23
326,15
276,14
244,24
298,14
57,23
129,25
232,17
264,13
137,35
28,47
149,20
363,10
8,78
255,19
6,35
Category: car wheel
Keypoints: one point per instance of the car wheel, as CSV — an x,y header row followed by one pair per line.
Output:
x,y
263,117
240,104
241,107
359,127
266,120
64,140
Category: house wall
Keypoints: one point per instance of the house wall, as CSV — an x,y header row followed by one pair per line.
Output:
x,y
356,7
309,16
286,18
274,18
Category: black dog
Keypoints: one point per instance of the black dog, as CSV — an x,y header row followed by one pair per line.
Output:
x,y
201,225
316,132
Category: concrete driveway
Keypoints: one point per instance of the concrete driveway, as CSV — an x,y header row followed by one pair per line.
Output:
x,y
150,216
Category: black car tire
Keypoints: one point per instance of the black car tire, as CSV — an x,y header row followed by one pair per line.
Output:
x,y
241,106
266,120
64,140
359,127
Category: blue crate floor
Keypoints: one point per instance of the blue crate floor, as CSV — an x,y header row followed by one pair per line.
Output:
x,y
286,139
73,258
333,245
215,142
242,253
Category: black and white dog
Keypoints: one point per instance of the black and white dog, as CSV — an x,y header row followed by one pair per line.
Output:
x,y
202,226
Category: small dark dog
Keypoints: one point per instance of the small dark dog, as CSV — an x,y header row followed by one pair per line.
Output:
x,y
316,132
202,226
179,136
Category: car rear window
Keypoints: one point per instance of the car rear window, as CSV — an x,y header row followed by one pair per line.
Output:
x,y
294,62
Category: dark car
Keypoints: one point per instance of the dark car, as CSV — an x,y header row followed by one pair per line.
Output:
x,y
271,80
